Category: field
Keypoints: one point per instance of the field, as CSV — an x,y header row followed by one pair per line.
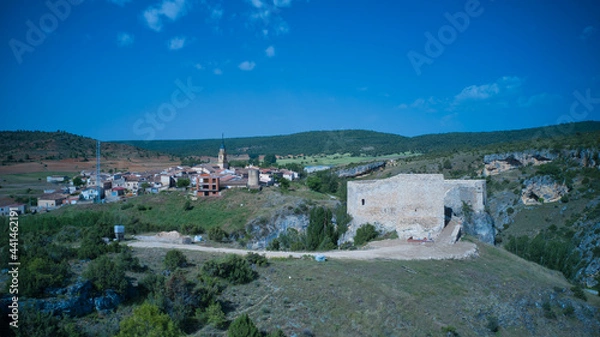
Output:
x,y
339,159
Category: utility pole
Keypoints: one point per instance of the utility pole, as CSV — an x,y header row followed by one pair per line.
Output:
x,y
98,189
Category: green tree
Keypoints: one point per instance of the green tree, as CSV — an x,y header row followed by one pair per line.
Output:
x,y
269,160
183,182
216,316
320,233
148,321
283,183
174,259
314,183
243,327
77,181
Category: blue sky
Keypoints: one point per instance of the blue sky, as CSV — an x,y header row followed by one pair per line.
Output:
x,y
192,69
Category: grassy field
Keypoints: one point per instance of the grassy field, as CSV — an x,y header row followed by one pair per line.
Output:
x,y
27,184
340,159
399,298
230,212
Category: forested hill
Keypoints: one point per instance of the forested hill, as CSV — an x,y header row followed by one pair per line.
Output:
x,y
361,141
29,146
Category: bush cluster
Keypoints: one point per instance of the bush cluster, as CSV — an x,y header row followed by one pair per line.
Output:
x,y
365,234
232,268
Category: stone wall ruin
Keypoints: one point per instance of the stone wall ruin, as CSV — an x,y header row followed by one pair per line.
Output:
x,y
413,205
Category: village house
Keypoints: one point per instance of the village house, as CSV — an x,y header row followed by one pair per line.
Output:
x,y
91,193
50,201
208,185
132,183
6,208
56,179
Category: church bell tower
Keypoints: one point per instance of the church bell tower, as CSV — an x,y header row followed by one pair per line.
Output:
x,y
223,155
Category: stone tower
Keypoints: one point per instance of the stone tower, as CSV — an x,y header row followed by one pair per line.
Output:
x,y
223,155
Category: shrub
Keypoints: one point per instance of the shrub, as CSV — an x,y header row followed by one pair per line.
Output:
x,y
217,234
273,244
216,316
147,320
365,234
232,268
126,206
243,327
449,330
492,324
569,311
578,292
257,259
174,259
105,274
277,333
41,273
510,211
126,261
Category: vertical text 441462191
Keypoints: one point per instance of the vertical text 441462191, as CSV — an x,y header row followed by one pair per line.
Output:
x,y
13,265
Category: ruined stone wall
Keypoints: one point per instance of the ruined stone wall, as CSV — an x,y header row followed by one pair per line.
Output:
x,y
411,204
472,192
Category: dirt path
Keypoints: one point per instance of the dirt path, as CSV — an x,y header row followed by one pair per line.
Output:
x,y
388,249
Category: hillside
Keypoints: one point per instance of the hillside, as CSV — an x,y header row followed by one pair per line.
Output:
x,y
34,146
359,142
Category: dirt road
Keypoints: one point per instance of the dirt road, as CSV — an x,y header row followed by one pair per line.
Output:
x,y
442,249
388,250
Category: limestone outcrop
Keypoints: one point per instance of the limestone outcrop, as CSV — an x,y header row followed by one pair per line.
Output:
x,y
360,170
497,163
541,189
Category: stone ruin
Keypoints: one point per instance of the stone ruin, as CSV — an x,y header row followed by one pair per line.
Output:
x,y
413,205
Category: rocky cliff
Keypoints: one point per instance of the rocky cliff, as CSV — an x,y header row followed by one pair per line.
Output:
x,y
541,189
360,170
498,163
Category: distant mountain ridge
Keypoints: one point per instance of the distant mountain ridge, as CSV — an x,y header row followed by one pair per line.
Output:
x,y
28,146
361,141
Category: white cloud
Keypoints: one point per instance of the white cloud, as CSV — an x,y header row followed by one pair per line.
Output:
x,y
588,32
176,43
504,85
216,13
257,3
362,88
477,92
119,2
266,17
247,65
270,51
198,66
124,39
218,71
171,9
282,3
429,105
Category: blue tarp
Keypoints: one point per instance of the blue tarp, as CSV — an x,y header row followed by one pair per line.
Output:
x,y
320,258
